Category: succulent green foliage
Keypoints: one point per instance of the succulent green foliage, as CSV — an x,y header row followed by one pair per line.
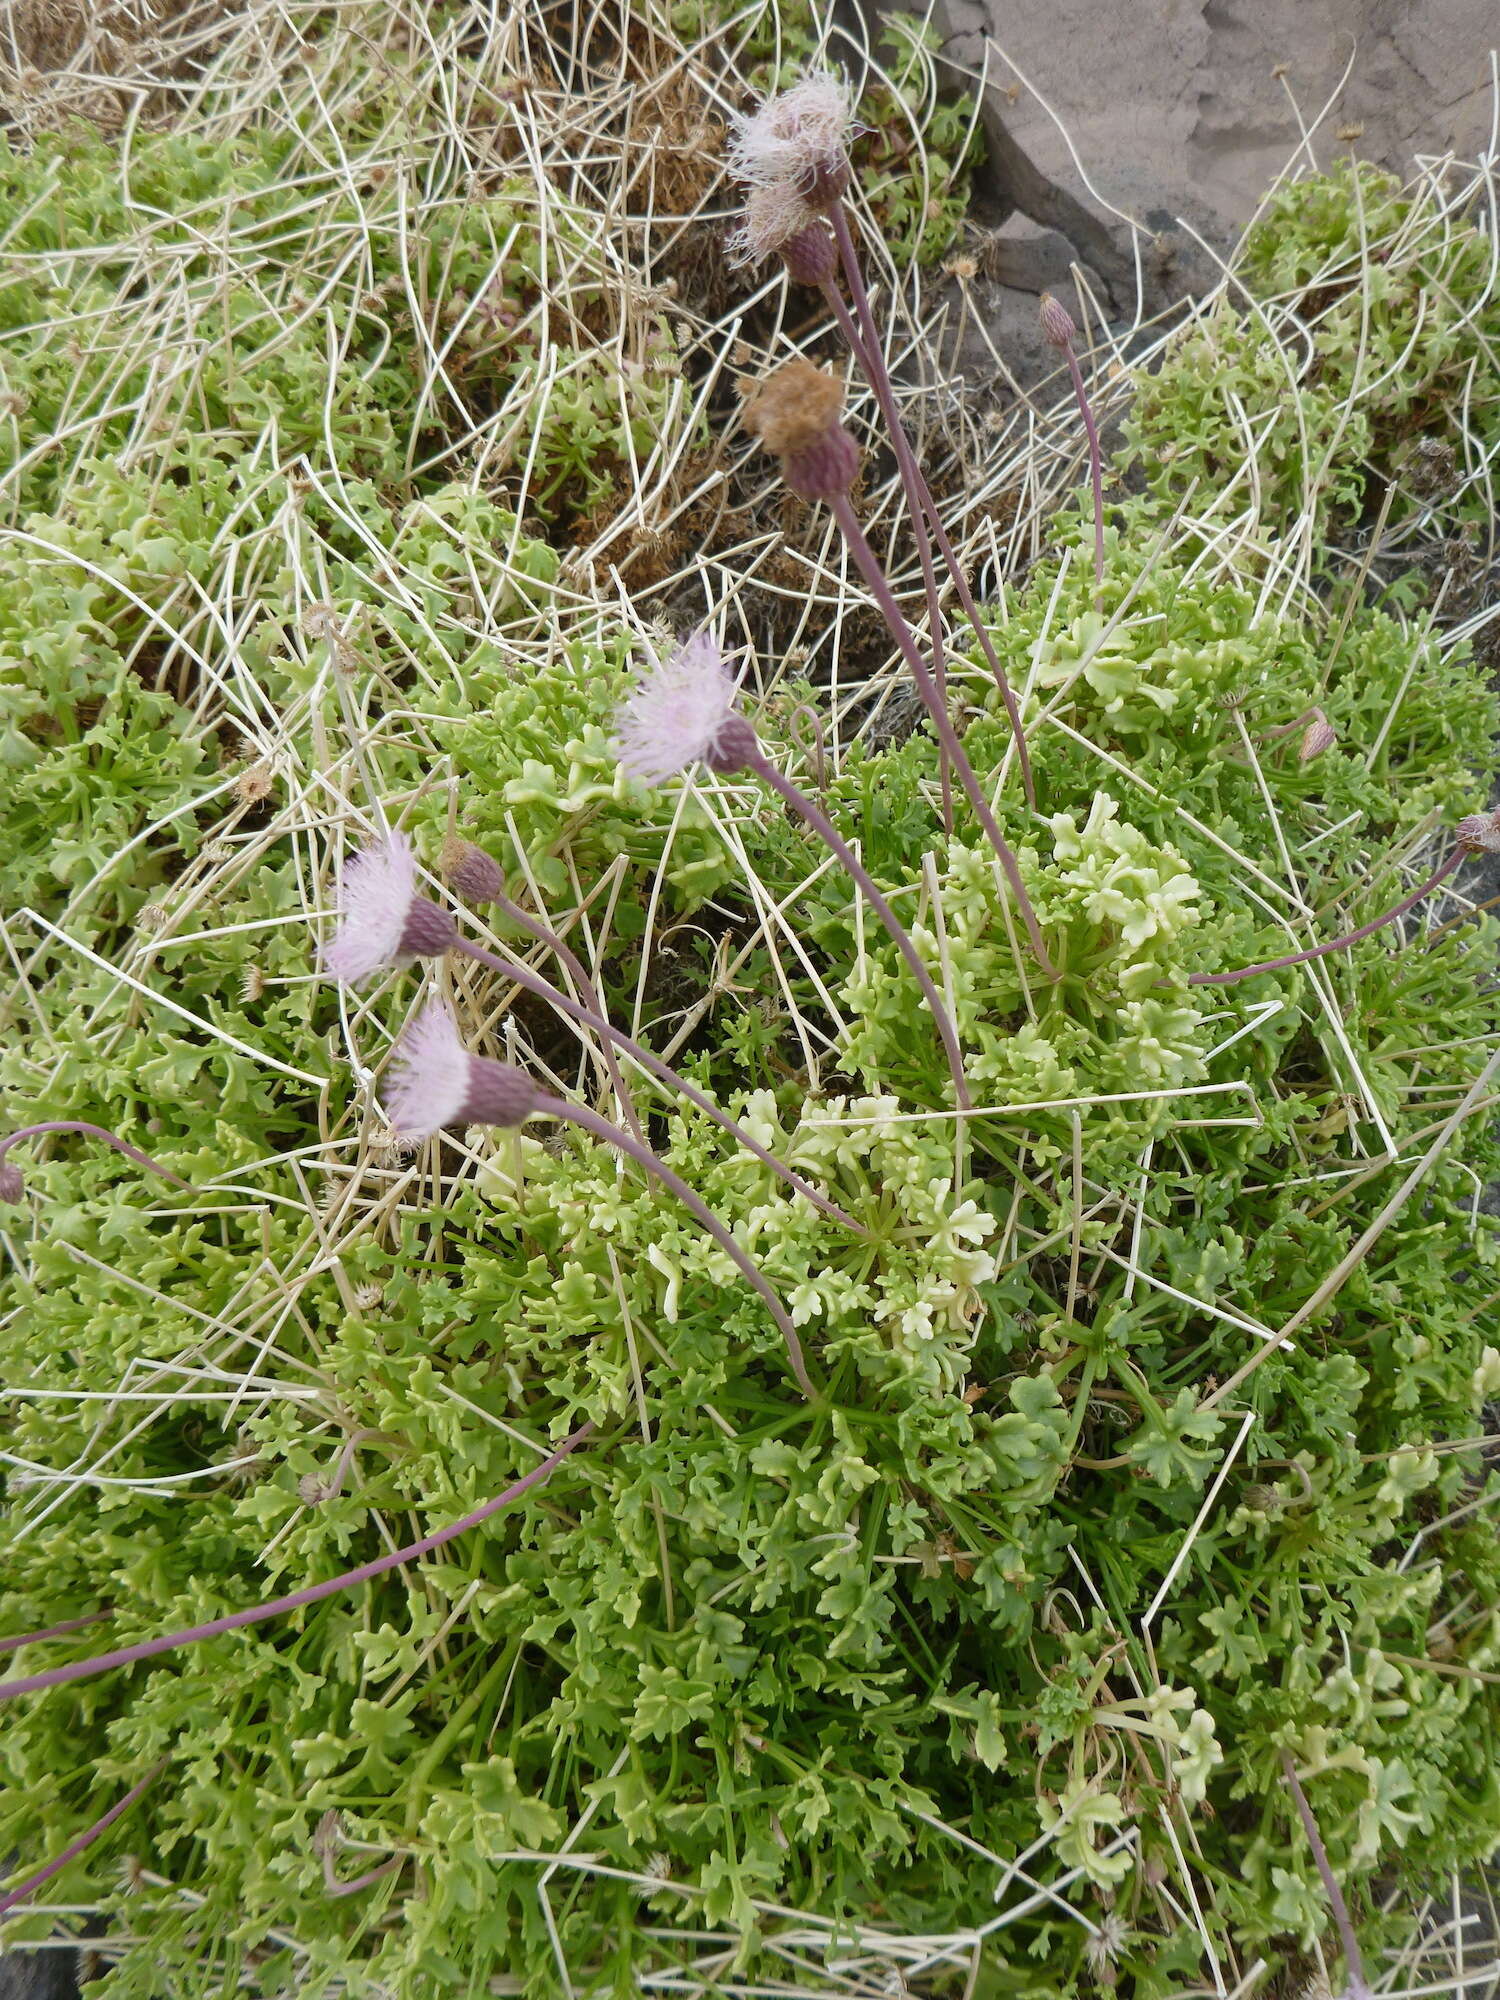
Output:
x,y
741,1655
1353,353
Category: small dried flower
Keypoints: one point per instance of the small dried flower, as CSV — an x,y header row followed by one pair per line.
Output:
x,y
1057,322
382,918
368,1298
12,1186
253,784
252,983
1105,1945
153,917
796,412
800,136
439,1082
476,876
1480,832
682,712
313,1489
1318,736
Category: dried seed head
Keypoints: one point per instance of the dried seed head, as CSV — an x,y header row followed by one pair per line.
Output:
x,y
313,1489
1057,322
1318,736
795,406
796,413
253,784
477,876
252,983
1480,833
368,1298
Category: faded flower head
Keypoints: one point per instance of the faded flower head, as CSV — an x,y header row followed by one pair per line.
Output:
x,y
382,919
12,1186
1480,832
437,1082
1057,322
773,216
800,137
682,711
797,414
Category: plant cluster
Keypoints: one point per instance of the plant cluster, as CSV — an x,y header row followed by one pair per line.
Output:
x,y
1142,1446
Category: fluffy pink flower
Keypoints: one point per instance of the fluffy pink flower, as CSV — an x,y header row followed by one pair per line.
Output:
x,y
382,919
682,710
799,137
437,1082
1480,832
774,215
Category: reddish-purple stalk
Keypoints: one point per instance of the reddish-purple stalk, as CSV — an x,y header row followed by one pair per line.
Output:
x,y
84,1840
168,1642
545,990
1358,1986
869,567
637,1150
864,344
566,956
1338,943
93,1132
56,1631
825,828
1096,463
335,1887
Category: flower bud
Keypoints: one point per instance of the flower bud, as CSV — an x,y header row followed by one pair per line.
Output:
x,y
1057,322
476,876
12,1186
1318,736
1480,833
811,256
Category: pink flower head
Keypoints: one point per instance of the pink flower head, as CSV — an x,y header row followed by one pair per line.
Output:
x,y
382,919
437,1082
774,216
800,137
680,711
1480,833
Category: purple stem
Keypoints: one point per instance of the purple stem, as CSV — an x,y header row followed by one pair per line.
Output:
x,y
874,577
534,927
94,1132
534,983
168,1642
1334,944
637,1150
85,1839
1358,1987
337,1888
55,1631
824,826
871,357
1096,467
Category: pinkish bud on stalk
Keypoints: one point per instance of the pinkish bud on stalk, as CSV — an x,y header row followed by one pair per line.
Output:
x,y
1318,736
1479,833
682,712
477,876
1058,329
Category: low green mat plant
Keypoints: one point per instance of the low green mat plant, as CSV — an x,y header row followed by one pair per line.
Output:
x,y
974,1674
